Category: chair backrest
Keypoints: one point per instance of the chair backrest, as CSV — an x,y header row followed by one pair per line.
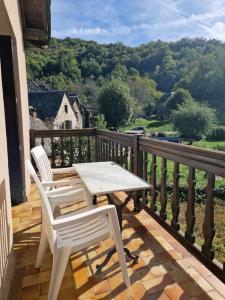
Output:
x,y
47,214
42,162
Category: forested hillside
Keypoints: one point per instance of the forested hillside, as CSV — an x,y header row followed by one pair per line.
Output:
x,y
150,69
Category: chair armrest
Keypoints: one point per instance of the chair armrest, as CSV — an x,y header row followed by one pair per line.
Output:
x,y
94,212
67,196
63,182
64,190
64,170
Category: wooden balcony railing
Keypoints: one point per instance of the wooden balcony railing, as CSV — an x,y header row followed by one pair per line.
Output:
x,y
150,159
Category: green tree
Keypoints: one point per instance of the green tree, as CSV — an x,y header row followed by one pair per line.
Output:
x,y
99,122
68,65
193,120
116,103
90,67
59,82
179,96
144,90
120,72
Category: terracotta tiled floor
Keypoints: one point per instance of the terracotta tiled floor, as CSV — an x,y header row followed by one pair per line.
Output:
x,y
165,269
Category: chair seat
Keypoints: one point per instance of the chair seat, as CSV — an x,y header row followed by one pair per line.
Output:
x,y
84,233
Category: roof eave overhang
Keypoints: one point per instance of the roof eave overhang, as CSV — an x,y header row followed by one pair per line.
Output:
x,y
39,31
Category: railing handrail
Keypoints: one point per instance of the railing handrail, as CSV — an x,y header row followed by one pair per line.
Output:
x,y
62,132
118,136
199,158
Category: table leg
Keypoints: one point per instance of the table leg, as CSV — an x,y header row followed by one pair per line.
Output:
x,y
119,209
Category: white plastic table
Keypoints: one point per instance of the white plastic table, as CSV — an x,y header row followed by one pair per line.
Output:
x,y
106,178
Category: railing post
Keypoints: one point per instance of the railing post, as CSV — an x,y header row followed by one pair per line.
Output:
x,y
137,169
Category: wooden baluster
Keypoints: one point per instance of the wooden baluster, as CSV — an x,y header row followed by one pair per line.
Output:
x,y
80,150
106,150
88,150
190,212
145,170
145,165
117,149
96,148
121,155
113,151
153,184
126,157
109,150
163,190
103,149
208,224
175,205
42,142
100,149
71,150
62,152
132,160
53,153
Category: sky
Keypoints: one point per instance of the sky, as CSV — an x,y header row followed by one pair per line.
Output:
x,y
135,22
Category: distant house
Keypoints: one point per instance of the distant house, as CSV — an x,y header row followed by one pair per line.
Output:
x,y
55,109
37,86
78,106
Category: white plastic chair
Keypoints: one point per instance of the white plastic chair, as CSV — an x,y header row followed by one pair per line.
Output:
x,y
74,232
46,172
60,192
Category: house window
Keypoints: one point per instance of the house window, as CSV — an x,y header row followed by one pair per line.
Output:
x,y
66,109
68,124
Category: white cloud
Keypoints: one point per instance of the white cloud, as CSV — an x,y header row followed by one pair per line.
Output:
x,y
82,31
217,31
135,22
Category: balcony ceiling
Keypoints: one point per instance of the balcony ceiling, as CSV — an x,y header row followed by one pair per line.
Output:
x,y
36,20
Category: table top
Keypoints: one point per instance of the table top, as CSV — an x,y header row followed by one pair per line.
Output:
x,y
108,177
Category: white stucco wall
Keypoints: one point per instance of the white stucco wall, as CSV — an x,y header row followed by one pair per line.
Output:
x,y
62,116
79,116
10,25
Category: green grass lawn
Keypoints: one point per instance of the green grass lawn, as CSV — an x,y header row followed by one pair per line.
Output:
x,y
154,125
150,125
215,145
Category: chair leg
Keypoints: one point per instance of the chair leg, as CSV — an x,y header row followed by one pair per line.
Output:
x,y
122,261
60,260
41,249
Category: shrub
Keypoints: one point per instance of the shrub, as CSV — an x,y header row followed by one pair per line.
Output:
x,y
216,134
99,121
193,120
219,147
